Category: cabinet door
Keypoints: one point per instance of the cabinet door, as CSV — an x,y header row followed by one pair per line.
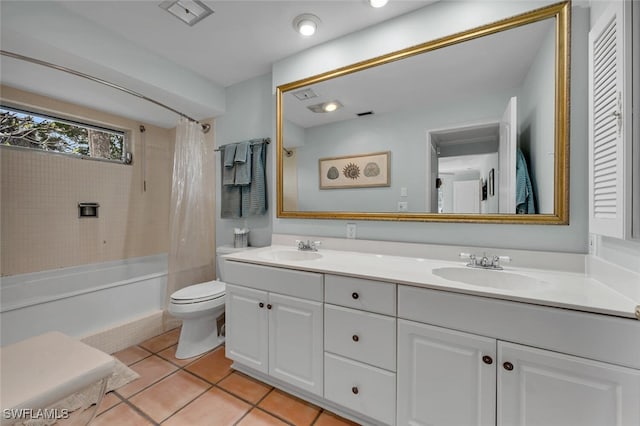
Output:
x,y
538,387
445,377
246,327
295,342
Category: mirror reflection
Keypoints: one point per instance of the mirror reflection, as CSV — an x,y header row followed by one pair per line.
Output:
x,y
469,129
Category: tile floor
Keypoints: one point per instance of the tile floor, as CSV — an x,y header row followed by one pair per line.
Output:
x,y
203,390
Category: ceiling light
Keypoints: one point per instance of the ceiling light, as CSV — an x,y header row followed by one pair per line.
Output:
x,y
306,24
325,106
188,11
377,3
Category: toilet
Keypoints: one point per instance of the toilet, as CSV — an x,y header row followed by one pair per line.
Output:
x,y
201,309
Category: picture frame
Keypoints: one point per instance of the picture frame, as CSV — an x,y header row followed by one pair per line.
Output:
x,y
355,171
491,183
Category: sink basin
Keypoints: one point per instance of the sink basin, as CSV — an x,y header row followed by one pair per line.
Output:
x,y
290,255
488,278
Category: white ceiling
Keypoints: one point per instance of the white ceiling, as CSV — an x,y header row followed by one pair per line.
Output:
x,y
140,46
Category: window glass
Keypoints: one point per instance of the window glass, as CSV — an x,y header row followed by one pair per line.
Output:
x,y
46,133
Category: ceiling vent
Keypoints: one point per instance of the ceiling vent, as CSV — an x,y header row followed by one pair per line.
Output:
x,y
188,11
305,94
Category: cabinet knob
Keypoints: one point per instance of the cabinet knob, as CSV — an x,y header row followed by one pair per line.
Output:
x,y
355,390
261,304
355,295
355,338
508,366
487,359
269,306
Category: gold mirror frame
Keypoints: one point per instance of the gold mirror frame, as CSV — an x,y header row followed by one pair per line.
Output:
x,y
560,11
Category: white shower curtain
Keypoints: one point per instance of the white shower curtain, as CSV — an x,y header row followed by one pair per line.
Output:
x,y
192,215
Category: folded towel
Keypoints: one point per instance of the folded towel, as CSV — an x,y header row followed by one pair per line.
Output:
x,y
243,163
229,154
228,164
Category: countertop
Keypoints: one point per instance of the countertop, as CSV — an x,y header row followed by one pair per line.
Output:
x,y
560,289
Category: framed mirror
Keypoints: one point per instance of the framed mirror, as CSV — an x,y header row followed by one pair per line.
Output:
x,y
472,127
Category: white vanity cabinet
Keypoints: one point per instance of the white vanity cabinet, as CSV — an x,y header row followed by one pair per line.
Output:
x,y
360,346
273,333
448,376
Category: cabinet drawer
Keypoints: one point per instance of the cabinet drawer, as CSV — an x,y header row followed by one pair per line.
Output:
x,y
360,387
307,285
359,335
368,295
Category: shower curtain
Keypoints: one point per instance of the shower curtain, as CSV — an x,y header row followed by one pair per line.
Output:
x,y
192,215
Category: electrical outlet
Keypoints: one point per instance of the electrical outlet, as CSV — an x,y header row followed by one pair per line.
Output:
x,y
592,244
351,230
403,191
403,206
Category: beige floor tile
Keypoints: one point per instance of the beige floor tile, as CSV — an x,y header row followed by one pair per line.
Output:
x,y
290,408
212,367
257,417
163,341
244,387
169,395
170,355
109,400
330,419
151,370
132,355
214,407
121,415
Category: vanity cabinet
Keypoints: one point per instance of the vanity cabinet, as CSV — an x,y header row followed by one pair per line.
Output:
x,y
448,376
445,377
272,333
360,346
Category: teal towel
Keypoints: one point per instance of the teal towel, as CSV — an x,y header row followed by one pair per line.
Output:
x,y
524,190
242,162
228,164
254,195
230,196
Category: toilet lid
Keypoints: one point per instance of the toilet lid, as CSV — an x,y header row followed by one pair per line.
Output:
x,y
199,292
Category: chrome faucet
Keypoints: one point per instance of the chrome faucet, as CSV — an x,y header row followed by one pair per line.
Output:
x,y
308,246
485,262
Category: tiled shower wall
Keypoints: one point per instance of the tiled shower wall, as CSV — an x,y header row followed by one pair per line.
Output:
x,y
39,194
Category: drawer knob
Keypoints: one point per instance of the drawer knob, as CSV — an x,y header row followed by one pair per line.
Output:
x,y
355,338
355,390
355,295
508,366
487,359
269,306
261,304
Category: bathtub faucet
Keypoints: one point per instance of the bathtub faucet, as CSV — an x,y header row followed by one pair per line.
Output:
x,y
485,262
308,246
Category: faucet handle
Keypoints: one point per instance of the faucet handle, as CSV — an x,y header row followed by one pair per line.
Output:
x,y
504,259
467,256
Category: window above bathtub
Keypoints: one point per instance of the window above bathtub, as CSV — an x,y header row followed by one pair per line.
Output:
x,y
33,130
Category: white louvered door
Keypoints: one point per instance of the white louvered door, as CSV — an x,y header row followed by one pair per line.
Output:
x,y
609,119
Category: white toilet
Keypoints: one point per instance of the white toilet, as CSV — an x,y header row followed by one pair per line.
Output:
x,y
200,306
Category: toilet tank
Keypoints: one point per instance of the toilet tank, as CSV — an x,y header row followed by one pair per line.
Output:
x,y
221,251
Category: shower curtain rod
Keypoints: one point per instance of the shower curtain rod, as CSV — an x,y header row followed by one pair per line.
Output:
x,y
205,127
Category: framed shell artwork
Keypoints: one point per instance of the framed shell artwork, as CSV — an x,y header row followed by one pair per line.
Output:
x,y
355,171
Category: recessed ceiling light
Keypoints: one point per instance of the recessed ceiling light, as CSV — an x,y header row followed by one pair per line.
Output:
x,y
188,11
306,24
377,3
325,106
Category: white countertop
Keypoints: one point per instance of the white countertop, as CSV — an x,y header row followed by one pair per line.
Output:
x,y
560,289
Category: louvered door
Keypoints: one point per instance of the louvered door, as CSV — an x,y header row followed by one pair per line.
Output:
x,y
609,108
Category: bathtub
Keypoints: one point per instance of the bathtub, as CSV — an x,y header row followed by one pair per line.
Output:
x,y
83,300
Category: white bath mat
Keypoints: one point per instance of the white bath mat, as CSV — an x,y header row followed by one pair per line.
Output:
x,y
89,396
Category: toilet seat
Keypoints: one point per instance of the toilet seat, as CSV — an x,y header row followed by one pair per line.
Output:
x,y
199,293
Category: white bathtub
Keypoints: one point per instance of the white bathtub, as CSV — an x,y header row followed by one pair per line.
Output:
x,y
83,300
